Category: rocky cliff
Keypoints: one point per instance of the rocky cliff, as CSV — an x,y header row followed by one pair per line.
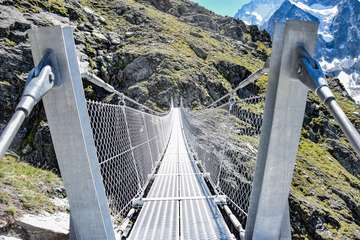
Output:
x,y
150,50
154,49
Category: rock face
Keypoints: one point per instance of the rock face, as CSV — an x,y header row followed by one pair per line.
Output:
x,y
141,68
232,72
135,46
200,52
46,227
195,14
40,227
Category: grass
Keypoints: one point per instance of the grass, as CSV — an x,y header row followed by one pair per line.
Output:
x,y
36,6
26,188
5,83
57,6
262,83
348,107
261,47
7,42
246,60
316,174
257,108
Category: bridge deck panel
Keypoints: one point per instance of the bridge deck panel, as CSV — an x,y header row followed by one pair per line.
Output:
x,y
179,204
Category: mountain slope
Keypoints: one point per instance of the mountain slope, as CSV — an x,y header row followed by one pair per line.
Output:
x,y
117,38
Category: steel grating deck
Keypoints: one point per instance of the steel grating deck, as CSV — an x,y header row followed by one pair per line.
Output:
x,y
179,203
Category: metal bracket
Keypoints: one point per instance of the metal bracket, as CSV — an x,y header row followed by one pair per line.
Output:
x,y
49,59
151,177
206,175
137,203
220,200
122,99
311,74
232,101
35,89
40,80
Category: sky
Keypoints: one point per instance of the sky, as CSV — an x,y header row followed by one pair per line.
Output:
x,y
222,7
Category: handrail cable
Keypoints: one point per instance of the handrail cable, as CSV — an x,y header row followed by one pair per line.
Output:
x,y
250,79
107,87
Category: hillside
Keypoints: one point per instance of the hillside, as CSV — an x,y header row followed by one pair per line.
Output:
x,y
154,49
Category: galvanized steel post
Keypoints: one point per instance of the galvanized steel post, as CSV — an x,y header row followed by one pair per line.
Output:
x,y
268,216
72,136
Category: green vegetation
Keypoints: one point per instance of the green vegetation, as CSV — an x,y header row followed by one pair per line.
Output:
x,y
11,211
257,108
317,176
262,83
7,42
26,188
35,6
324,188
176,48
57,6
261,46
246,60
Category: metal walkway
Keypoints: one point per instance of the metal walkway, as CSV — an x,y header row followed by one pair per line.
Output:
x,y
179,204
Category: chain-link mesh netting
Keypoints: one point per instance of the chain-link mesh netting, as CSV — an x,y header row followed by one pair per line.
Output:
x,y
129,143
225,140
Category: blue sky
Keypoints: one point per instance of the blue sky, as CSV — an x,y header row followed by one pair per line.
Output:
x,y
222,7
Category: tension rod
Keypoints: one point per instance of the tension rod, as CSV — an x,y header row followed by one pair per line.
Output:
x,y
40,80
311,74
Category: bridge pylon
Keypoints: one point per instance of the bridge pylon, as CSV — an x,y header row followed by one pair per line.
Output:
x,y
268,216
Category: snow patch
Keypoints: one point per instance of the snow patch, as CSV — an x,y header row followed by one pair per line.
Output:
x,y
324,13
258,16
349,82
339,64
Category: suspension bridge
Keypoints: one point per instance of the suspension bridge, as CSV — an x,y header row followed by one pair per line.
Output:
x,y
221,172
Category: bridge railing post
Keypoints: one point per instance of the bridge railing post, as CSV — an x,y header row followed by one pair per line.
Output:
x,y
148,140
268,215
72,136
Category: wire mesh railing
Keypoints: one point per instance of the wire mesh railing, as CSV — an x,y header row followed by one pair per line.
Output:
x,y
225,140
130,143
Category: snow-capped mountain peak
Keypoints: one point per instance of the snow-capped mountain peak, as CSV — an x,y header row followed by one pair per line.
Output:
x,y
339,32
325,13
257,12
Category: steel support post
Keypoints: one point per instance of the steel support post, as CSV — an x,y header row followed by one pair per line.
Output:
x,y
284,113
72,136
131,148
148,140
